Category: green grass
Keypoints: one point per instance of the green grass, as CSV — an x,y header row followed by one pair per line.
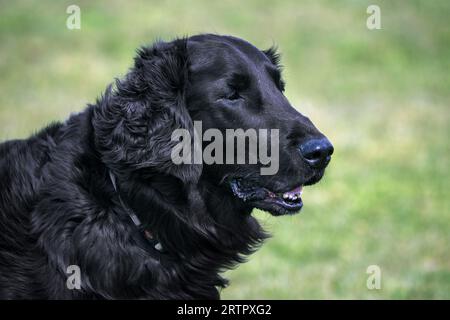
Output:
x,y
381,96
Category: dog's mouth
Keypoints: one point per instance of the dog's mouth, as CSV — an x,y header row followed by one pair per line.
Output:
x,y
277,203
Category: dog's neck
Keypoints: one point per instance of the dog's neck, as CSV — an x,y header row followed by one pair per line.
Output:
x,y
195,215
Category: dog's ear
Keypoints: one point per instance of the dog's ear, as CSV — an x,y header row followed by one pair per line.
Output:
x,y
275,58
273,55
134,123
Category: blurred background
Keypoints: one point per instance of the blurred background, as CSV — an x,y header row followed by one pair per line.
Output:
x,y
381,96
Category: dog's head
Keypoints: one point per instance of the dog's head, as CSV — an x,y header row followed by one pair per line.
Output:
x,y
234,85
227,85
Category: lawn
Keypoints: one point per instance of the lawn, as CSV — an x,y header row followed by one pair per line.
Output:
x,y
381,96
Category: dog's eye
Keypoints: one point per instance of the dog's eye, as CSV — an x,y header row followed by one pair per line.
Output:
x,y
233,96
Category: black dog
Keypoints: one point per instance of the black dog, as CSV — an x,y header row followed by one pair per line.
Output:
x,y
100,191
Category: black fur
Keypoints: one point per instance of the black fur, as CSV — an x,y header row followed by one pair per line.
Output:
x,y
59,207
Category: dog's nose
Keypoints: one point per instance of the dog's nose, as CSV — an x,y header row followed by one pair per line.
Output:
x,y
317,152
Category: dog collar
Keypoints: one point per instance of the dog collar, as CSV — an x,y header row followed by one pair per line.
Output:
x,y
136,221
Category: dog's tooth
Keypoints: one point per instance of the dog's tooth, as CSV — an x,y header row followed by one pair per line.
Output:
x,y
285,196
294,198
